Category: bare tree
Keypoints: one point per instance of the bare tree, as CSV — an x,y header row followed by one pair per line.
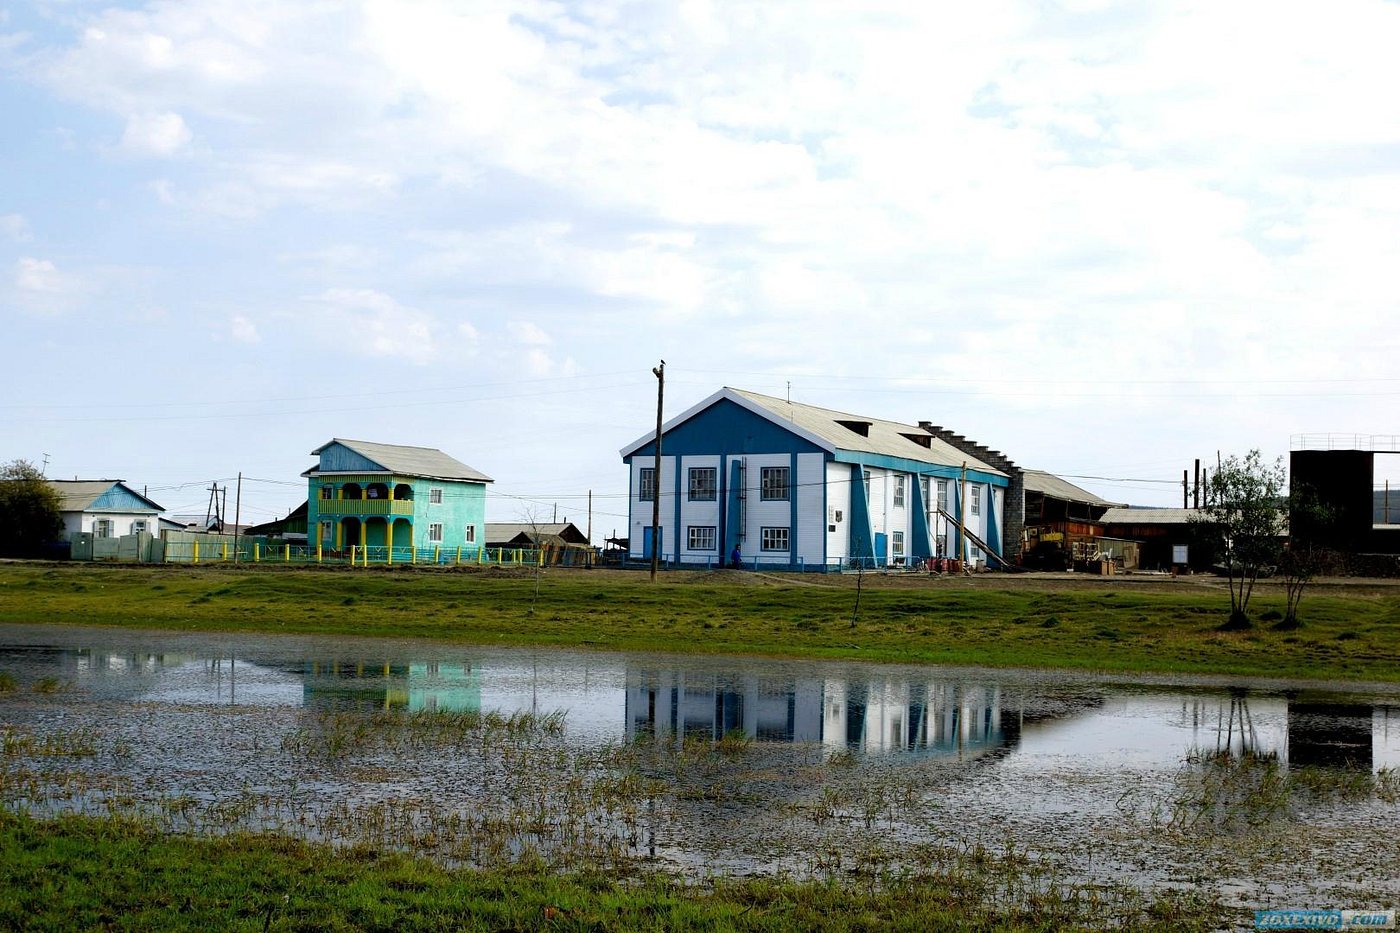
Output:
x,y
1306,556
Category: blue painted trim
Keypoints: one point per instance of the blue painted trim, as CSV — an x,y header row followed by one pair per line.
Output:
x,y
993,529
735,530
726,427
826,511
904,465
921,548
792,520
862,541
677,550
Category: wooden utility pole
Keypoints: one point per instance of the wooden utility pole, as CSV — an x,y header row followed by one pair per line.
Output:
x,y
1185,501
660,373
1196,499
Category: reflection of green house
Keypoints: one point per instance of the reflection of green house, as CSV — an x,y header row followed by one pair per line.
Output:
x,y
394,499
434,686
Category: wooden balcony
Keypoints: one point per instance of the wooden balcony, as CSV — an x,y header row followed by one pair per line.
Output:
x,y
364,506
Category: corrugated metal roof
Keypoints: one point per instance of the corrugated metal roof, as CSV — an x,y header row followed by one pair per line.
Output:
x,y
1149,516
78,495
541,532
882,437
427,462
823,427
1056,488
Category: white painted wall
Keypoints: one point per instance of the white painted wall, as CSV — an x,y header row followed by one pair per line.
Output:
x,y
811,509
641,511
122,522
703,513
838,500
760,514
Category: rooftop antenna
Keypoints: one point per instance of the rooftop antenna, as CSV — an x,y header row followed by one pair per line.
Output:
x,y
44,470
789,392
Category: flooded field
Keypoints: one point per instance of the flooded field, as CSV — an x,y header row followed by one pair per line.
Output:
x,y
1261,794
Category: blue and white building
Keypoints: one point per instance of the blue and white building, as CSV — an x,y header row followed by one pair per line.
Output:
x,y
805,488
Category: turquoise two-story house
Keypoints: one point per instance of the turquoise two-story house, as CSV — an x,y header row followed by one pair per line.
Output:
x,y
398,501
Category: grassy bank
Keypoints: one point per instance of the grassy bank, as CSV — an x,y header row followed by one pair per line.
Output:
x,y
86,873
1349,633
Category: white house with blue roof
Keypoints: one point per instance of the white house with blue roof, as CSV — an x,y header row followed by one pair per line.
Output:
x,y
795,486
104,508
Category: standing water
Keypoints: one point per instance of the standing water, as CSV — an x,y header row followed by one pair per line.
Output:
x,y
1264,793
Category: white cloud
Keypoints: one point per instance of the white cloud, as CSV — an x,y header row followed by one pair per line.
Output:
x,y
156,135
529,333
15,227
243,330
38,275
372,323
40,287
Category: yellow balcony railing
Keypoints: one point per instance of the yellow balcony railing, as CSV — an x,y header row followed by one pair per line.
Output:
x,y
365,506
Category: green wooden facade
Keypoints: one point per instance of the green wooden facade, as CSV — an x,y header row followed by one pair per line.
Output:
x,y
393,499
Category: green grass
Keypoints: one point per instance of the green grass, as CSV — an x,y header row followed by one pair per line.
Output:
x,y
1349,633
88,873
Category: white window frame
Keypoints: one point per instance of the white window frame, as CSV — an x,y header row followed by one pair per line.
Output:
x,y
470,536
701,537
768,485
327,492
102,528
769,536
707,492
646,484
435,495
899,490
434,532
897,543
942,499
975,506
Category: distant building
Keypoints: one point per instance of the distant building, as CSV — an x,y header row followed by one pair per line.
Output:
x,y
1157,532
104,508
795,486
388,496
290,528
1064,526
532,535
1363,515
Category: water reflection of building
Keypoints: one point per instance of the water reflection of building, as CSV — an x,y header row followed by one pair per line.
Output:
x,y
373,685
1300,729
870,716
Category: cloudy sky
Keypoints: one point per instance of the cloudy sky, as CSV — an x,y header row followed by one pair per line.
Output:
x,y
1106,238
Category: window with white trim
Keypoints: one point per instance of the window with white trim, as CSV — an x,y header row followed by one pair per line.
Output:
x,y
923,490
102,528
434,495
646,484
773,539
471,534
976,506
327,530
773,484
897,543
327,492
703,484
435,532
700,537
139,526
943,495
899,491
